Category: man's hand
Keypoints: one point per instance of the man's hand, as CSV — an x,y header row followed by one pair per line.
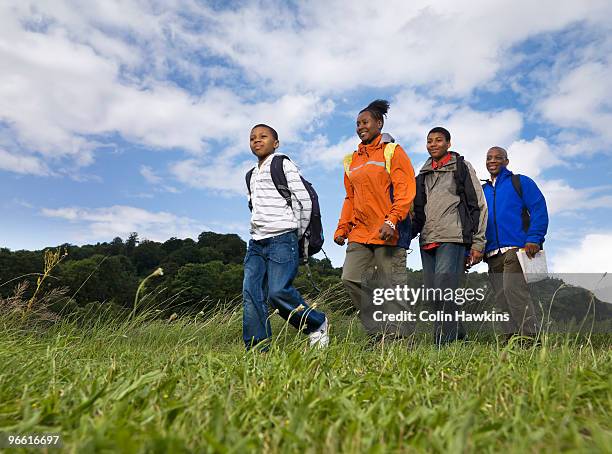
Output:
x,y
339,240
531,249
474,258
385,232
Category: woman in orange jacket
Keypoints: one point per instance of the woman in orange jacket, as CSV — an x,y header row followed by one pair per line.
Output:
x,y
380,187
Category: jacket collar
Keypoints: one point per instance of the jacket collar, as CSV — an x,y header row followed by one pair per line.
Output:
x,y
370,147
501,176
427,167
441,162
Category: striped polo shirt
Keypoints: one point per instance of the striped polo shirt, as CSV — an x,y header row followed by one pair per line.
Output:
x,y
271,216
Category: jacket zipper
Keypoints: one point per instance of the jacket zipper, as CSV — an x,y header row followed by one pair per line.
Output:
x,y
495,217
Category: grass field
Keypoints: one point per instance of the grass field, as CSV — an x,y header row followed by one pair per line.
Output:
x,y
185,386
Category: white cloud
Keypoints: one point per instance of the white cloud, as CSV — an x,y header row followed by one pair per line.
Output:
x,y
411,116
584,261
225,171
582,100
589,254
77,72
473,132
219,175
79,86
562,197
192,78
22,164
531,157
319,152
157,181
331,46
102,224
149,174
78,94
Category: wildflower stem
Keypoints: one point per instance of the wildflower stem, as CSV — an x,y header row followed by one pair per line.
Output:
x,y
52,259
157,272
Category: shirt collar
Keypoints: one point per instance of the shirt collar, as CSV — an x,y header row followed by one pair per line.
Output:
x,y
442,162
268,158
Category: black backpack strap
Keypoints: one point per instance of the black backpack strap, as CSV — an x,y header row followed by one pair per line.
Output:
x,y
525,216
516,182
247,177
420,200
279,178
460,174
469,210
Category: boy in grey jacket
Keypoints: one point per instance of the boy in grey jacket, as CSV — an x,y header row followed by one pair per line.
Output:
x,y
450,213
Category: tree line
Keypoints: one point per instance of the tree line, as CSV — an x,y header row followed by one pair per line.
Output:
x,y
198,274
204,273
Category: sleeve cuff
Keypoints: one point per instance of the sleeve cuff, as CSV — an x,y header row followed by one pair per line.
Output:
x,y
478,247
392,218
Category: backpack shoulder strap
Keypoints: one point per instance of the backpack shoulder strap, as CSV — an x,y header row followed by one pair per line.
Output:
x,y
279,178
389,151
461,173
469,209
247,177
346,161
516,183
525,215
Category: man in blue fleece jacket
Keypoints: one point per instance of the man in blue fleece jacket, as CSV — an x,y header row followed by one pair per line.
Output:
x,y
518,218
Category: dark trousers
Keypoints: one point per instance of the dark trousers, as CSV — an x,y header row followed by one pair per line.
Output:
x,y
443,266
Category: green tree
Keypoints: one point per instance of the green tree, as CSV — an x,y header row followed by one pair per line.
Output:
x,y
210,254
100,278
171,245
13,265
230,246
188,253
205,284
116,247
147,256
131,243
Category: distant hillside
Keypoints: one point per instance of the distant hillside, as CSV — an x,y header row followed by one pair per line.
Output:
x,y
201,272
198,275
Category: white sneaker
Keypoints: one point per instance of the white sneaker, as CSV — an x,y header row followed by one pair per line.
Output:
x,y
320,338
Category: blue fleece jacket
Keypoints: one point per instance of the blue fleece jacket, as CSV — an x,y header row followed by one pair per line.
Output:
x,y
505,227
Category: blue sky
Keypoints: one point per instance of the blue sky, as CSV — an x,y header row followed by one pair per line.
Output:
x,y
135,116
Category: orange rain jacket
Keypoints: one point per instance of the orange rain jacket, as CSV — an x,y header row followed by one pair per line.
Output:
x,y
368,200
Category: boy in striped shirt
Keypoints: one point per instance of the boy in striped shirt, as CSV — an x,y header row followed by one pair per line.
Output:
x,y
272,258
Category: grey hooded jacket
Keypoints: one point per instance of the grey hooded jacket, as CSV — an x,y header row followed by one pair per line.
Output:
x,y
443,222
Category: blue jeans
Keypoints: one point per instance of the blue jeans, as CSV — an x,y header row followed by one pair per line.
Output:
x,y
442,268
270,265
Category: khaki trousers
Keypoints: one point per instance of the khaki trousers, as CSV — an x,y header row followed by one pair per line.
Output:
x,y
512,294
368,267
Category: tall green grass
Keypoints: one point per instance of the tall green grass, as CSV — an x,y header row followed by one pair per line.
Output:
x,y
142,385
